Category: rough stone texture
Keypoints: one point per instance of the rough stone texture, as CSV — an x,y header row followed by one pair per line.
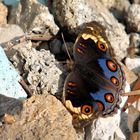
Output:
x,y
135,39
133,18
8,32
3,14
40,69
133,64
117,7
135,1
9,78
9,105
117,4
106,128
33,16
42,117
73,14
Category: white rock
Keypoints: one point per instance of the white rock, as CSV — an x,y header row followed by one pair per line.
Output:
x,y
133,18
9,79
133,64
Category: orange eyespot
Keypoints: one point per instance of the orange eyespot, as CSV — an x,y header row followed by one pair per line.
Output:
x,y
111,65
87,109
102,46
114,80
109,97
100,105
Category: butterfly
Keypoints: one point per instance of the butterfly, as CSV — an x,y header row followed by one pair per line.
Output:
x,y
94,85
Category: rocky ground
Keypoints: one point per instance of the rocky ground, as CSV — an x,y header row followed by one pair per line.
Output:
x,y
32,72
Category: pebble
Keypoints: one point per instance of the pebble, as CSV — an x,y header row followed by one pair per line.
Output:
x,y
133,64
133,18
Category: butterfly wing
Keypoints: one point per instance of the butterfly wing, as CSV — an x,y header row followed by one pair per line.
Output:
x,y
94,61
91,43
93,87
78,100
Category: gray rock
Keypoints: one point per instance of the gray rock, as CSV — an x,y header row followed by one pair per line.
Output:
x,y
73,14
33,16
56,46
135,1
133,64
9,79
133,18
40,68
135,39
8,32
118,8
9,105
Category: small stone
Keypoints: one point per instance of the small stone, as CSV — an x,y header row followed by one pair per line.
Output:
x,y
133,18
35,16
3,14
130,76
135,1
8,119
133,64
118,8
56,46
135,40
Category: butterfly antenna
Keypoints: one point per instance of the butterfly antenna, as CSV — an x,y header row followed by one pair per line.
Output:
x,y
66,47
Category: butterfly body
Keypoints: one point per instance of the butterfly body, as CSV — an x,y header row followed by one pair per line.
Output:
x,y
92,88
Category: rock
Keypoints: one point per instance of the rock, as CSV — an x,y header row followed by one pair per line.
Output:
x,y
135,1
134,50
56,46
133,64
105,128
9,106
33,16
116,7
8,32
133,18
40,69
42,117
73,14
3,14
130,76
135,40
9,79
